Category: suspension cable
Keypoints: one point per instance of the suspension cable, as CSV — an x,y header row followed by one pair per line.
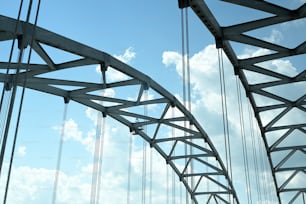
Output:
x,y
262,166
20,107
144,173
60,150
184,86
151,176
173,173
186,91
244,145
98,158
129,169
223,96
101,150
14,85
255,154
167,185
150,153
144,154
189,107
4,112
266,170
99,147
4,88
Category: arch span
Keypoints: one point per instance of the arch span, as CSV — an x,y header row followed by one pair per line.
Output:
x,y
128,111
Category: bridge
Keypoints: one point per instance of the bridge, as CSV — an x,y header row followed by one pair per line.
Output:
x,y
168,149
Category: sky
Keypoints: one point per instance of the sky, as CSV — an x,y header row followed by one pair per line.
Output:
x,y
147,36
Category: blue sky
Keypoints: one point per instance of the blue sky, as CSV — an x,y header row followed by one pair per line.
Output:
x,y
147,36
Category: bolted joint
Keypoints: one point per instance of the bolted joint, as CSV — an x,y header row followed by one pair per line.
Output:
x,y
22,42
66,100
167,160
151,143
191,123
219,42
145,86
183,3
181,177
131,129
104,114
172,104
236,70
192,196
103,67
8,86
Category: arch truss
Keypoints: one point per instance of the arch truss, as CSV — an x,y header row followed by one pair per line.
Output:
x,y
277,92
155,128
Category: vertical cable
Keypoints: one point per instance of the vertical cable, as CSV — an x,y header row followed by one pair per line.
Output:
x,y
59,155
255,155
4,111
151,157
223,96
95,169
129,169
151,178
6,86
20,108
244,145
173,173
144,171
189,93
261,160
144,154
11,51
100,157
14,86
184,90
181,194
265,176
168,185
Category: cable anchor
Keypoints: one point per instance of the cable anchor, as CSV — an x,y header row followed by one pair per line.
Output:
x,y
183,3
103,69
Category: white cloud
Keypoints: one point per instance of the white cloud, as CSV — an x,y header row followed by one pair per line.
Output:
x,y
204,75
35,185
285,67
127,56
275,37
72,131
114,75
21,151
170,57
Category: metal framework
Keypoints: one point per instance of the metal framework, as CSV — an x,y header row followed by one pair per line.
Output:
x,y
278,95
208,169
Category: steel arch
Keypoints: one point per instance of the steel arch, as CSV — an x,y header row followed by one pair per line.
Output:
x,y
208,167
285,169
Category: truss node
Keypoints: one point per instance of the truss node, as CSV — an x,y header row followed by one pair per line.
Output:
x,y
66,100
183,3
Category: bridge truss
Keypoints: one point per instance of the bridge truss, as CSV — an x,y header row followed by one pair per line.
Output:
x,y
268,96
272,93
130,112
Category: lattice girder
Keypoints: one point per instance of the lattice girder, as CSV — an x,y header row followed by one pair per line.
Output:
x,y
208,169
278,105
